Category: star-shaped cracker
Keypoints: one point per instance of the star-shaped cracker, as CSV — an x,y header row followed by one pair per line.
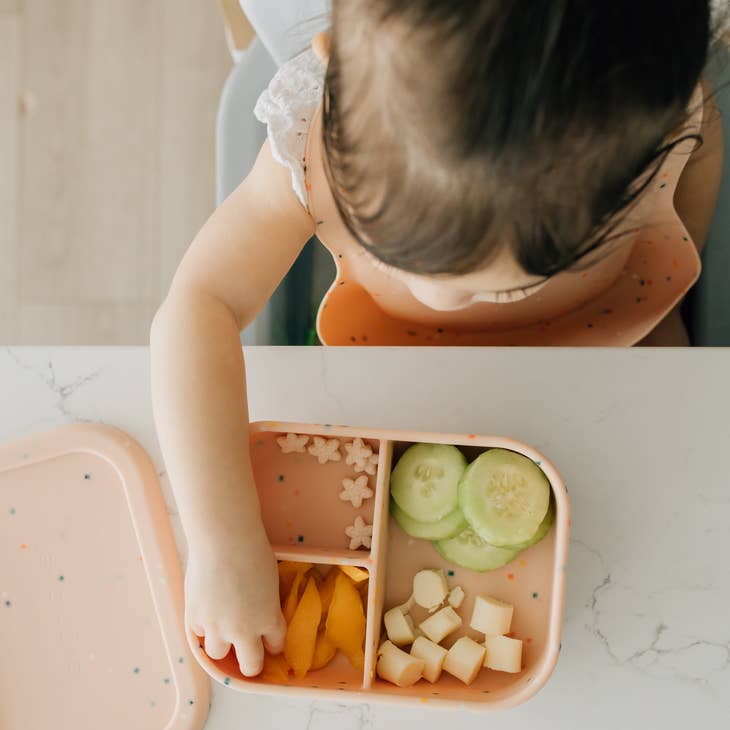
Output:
x,y
361,457
356,490
291,443
325,449
359,533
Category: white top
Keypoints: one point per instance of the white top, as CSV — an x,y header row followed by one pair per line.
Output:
x,y
287,107
640,436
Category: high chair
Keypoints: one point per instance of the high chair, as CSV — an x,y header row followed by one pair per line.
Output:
x,y
283,28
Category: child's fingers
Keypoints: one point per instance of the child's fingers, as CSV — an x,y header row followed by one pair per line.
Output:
x,y
215,646
250,653
197,629
274,637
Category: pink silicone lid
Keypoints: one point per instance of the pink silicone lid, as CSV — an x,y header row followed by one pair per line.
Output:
x,y
91,589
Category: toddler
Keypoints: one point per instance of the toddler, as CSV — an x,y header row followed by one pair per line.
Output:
x,y
479,166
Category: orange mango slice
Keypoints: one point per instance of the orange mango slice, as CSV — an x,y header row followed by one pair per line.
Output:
x,y
356,574
275,670
326,591
301,632
292,600
287,572
324,650
345,624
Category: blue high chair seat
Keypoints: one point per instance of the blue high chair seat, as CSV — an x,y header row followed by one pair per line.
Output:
x,y
709,302
283,29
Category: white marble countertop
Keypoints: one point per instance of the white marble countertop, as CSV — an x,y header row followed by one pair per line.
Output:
x,y
642,438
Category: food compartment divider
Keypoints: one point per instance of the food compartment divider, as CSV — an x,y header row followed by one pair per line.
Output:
x,y
372,560
378,557
534,583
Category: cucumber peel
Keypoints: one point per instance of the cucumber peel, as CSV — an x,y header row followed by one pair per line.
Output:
x,y
446,527
469,550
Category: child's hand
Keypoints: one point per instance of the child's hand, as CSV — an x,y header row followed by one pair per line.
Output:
x,y
232,597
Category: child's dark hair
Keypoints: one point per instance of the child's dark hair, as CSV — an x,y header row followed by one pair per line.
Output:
x,y
453,128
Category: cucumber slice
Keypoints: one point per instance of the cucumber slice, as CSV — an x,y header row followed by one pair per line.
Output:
x,y
468,550
504,497
542,530
448,526
425,481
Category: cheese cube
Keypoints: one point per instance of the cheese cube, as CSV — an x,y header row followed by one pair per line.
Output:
x,y
402,669
385,647
430,588
491,616
433,656
438,626
503,654
464,659
399,627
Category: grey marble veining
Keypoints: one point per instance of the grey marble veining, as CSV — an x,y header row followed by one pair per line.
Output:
x,y
640,436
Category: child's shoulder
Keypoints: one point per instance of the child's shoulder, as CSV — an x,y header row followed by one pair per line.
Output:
x,y
287,107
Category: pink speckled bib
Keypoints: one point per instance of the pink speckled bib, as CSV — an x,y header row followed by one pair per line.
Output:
x,y
615,302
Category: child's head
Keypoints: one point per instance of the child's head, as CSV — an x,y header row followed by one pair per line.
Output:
x,y
454,128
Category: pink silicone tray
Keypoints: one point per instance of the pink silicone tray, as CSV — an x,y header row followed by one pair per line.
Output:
x,y
305,520
91,620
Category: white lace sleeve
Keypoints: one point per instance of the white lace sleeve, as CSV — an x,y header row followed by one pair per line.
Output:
x,y
287,107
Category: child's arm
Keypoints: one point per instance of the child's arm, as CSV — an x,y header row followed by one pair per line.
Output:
x,y
199,399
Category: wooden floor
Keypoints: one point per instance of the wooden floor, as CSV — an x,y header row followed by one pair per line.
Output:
x,y
107,118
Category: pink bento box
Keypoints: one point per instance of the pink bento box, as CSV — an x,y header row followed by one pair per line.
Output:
x,y
305,520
